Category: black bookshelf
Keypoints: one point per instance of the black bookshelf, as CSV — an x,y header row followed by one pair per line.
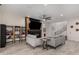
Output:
x,y
2,35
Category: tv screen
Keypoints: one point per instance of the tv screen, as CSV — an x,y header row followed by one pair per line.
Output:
x,y
35,24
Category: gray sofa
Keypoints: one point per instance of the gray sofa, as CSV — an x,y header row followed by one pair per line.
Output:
x,y
33,41
53,41
56,41
57,33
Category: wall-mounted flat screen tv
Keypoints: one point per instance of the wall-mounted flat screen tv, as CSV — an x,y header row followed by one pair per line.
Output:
x,y
35,24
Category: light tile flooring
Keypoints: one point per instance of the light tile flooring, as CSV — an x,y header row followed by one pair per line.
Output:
x,y
70,48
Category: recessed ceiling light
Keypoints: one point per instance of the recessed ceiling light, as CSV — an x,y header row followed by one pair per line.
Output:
x,y
61,14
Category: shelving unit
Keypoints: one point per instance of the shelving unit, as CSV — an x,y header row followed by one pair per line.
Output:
x,y
22,33
9,33
15,33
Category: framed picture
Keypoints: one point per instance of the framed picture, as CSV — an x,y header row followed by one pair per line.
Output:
x,y
77,29
77,23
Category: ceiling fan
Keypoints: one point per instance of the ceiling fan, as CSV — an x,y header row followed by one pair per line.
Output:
x,y
46,17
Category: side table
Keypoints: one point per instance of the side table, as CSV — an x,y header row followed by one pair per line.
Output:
x,y
44,44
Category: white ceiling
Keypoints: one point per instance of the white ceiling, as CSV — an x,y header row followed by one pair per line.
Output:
x,y
37,10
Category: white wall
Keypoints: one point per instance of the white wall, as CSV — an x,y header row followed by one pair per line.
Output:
x,y
0,15
71,32
11,18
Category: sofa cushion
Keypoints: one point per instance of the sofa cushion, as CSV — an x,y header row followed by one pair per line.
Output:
x,y
31,36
